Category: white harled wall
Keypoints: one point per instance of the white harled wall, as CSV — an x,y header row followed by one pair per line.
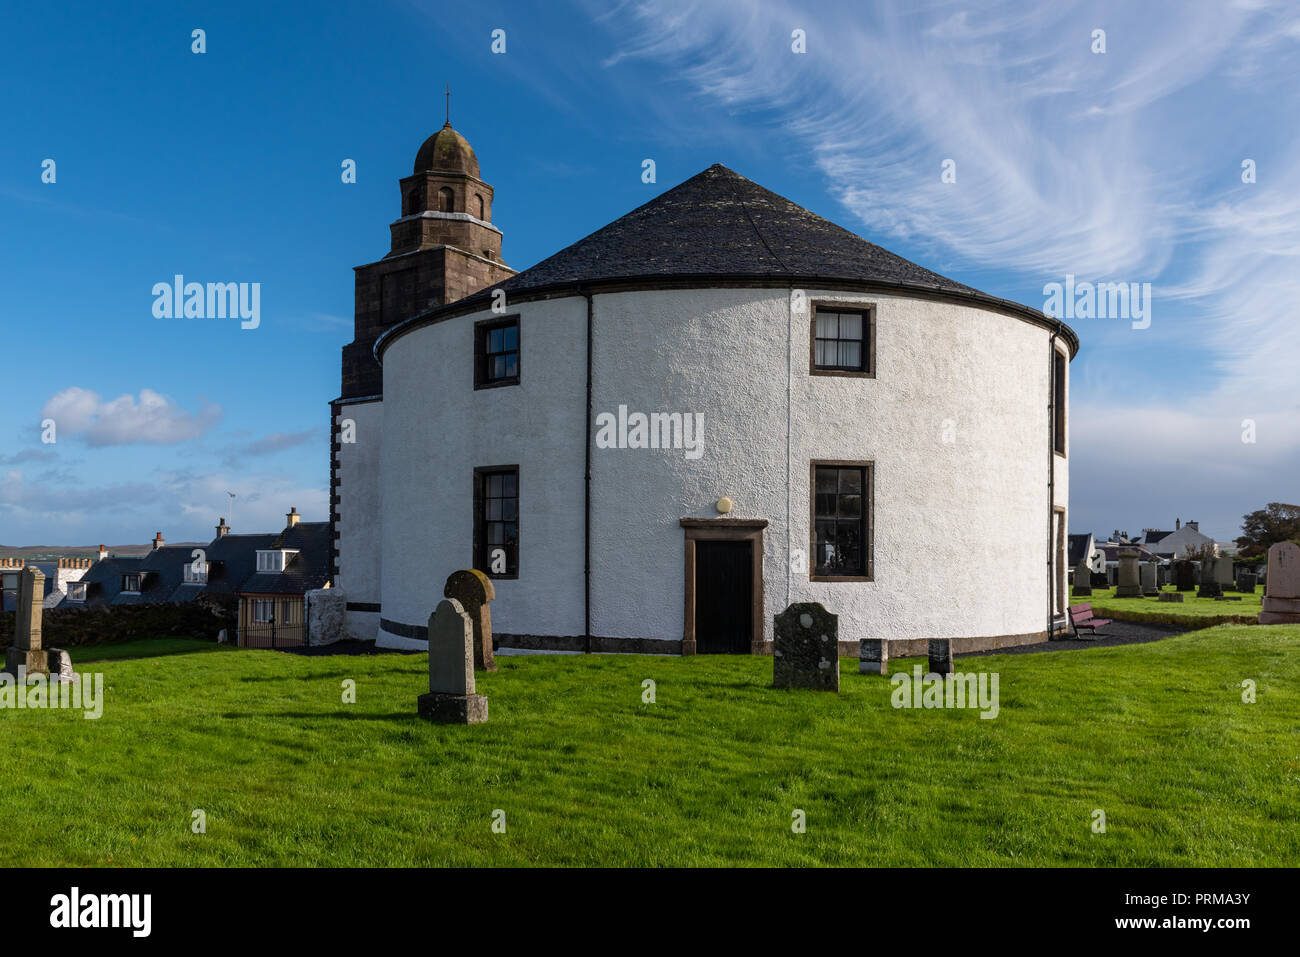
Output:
x,y
955,420
359,510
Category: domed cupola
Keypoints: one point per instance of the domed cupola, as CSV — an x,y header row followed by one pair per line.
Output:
x,y
446,151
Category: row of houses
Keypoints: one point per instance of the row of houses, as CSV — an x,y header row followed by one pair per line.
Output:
x,y
1153,545
268,575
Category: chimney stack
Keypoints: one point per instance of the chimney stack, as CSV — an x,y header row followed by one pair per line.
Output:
x,y
1194,526
1178,523
222,528
103,552
158,540
291,519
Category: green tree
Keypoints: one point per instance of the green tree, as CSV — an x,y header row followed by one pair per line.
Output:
x,y
1268,526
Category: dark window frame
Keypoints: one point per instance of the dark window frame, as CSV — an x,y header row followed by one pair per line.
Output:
x,y
482,330
480,544
1059,365
868,312
868,518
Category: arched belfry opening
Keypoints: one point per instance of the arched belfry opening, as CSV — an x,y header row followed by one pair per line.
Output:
x,y
446,200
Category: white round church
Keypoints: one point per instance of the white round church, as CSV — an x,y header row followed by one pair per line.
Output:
x,y
719,404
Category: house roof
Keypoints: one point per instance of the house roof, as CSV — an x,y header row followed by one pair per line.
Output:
x,y
720,226
104,579
232,559
1154,536
1112,552
308,569
163,570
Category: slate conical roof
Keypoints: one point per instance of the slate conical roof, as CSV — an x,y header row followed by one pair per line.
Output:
x,y
718,225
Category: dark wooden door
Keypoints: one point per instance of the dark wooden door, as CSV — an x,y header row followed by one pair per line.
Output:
x,y
724,597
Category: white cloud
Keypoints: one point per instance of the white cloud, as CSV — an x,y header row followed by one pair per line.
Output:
x,y
152,419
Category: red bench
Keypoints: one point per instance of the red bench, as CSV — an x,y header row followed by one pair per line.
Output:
x,y
1081,617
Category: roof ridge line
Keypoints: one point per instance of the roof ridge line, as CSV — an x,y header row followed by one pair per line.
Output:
x,y
753,225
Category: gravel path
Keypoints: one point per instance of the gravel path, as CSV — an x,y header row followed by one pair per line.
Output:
x,y
1116,633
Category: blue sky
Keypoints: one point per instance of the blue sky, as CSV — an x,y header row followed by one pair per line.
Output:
x,y
1121,166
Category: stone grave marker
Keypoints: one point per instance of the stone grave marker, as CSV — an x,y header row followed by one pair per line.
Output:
x,y
26,651
1184,576
940,652
1130,584
1246,582
1147,574
873,656
1281,604
806,648
451,698
1210,587
1171,596
1082,579
474,591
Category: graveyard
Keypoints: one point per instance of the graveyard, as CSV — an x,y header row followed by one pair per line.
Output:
x,y
707,769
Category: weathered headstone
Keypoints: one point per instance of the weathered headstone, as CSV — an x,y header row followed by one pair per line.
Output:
x,y
1281,604
474,591
60,665
1082,579
1147,574
1223,571
1210,587
940,652
873,656
451,698
1184,576
1130,585
1171,596
26,651
1246,582
806,648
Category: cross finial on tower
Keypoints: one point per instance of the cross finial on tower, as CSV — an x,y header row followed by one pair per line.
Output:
x,y
447,94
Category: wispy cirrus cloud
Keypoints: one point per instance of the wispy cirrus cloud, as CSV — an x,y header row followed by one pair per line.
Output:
x,y
1121,166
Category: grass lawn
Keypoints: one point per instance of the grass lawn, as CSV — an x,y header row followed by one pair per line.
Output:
x,y
1156,735
145,648
1193,612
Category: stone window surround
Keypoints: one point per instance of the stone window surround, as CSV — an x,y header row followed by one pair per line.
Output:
x,y
478,543
869,514
868,310
481,328
729,530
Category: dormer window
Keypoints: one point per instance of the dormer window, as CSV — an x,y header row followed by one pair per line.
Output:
x,y
275,560
196,572
131,582
77,591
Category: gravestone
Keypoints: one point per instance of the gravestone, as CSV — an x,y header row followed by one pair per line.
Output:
x,y
60,665
1210,587
26,651
1281,603
451,698
1246,582
1223,571
873,656
806,648
1082,579
1184,576
474,591
1130,584
940,652
1171,596
1147,574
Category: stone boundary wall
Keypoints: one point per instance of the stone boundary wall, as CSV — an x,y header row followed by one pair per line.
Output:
x,y
70,627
